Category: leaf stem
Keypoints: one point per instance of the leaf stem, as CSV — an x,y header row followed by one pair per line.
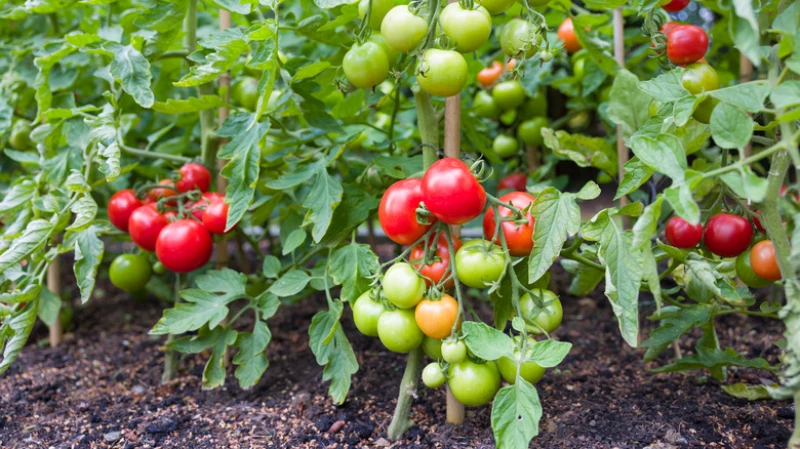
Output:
x,y
154,155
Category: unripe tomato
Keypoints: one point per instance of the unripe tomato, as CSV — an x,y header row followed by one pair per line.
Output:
x,y
402,286
366,312
397,212
432,348
245,93
519,37
378,11
728,235
529,371
432,376
145,224
508,95
681,234
547,318
366,65
435,270
579,68
505,146
514,181
699,77
566,32
480,263
121,206
20,137
451,192
496,6
454,351
764,262
703,111
686,44
442,72
745,273
402,29
467,29
155,194
535,106
490,75
215,217
519,237
437,318
473,384
675,5
484,105
193,176
530,131
579,121
391,53
184,246
130,272
398,330
159,268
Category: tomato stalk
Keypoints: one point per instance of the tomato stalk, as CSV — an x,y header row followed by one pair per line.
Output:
x,y
171,355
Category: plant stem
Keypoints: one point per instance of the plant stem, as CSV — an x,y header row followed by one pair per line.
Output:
x,y
154,155
428,128
171,355
746,161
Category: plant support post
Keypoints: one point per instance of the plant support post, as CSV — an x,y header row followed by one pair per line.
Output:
x,y
56,332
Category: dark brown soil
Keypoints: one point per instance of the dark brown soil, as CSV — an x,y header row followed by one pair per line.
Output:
x,y
101,389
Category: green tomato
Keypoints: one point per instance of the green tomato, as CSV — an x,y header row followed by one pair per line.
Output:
x,y
432,376
699,77
398,330
377,12
403,286
508,95
546,55
21,135
130,272
519,37
604,95
479,263
366,65
508,117
473,384
536,2
535,106
496,6
548,318
529,371
579,122
245,93
578,68
703,111
604,178
745,273
484,106
432,348
454,351
402,29
442,72
159,268
530,131
391,53
468,29
366,312
505,146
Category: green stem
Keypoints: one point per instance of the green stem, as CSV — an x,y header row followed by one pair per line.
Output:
x,y
171,356
207,150
154,155
746,161
428,128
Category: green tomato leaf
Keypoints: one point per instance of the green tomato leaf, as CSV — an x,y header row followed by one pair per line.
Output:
x,y
15,332
746,184
34,236
296,238
786,94
712,358
85,210
271,266
676,322
20,194
557,216
214,371
131,68
748,96
191,104
89,251
628,105
583,150
730,126
516,412
682,201
323,198
743,28
290,283
252,359
332,349
663,153
665,88
352,266
549,353
228,45
749,392
635,174
49,306
487,342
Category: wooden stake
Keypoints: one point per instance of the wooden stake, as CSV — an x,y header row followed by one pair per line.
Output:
x,y
533,159
54,285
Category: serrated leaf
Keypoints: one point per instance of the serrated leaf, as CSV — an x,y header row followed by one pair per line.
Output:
x,y
35,235
583,150
487,342
749,392
323,198
516,412
557,215
712,358
676,322
290,283
191,104
251,359
20,194
14,333
636,173
228,46
549,353
332,350
663,153
748,96
352,267
85,210
666,87
133,70
214,371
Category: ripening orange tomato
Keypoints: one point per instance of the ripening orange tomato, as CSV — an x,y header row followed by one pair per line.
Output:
x,y
436,318
490,75
566,32
511,64
764,262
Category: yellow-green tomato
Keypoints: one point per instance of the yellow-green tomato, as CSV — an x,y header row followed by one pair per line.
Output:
x,y
391,53
402,29
578,68
442,72
378,11
529,371
480,263
245,93
402,286
366,65
484,106
454,351
508,95
398,330
505,146
547,318
432,376
366,312
535,106
703,111
530,131
473,384
579,121
432,347
468,29
496,6
130,272
519,37
21,135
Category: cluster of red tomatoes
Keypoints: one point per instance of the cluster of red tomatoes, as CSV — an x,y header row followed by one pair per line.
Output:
x,y
727,235
174,221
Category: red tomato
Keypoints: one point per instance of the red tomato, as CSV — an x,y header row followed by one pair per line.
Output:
x,y
193,176
490,75
162,192
757,222
451,192
566,32
514,181
519,238
397,212
681,234
121,206
216,217
184,246
145,225
686,44
435,271
198,207
764,262
675,5
728,235
668,27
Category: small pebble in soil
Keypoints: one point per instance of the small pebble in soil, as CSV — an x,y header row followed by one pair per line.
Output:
x,y
138,389
592,423
111,437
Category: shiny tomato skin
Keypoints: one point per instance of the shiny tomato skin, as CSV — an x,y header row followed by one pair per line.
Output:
x,y
518,238
686,44
681,234
467,29
402,286
473,384
378,10
366,311
530,131
496,6
442,72
453,351
508,95
490,75
184,246
764,262
484,105
121,206
675,5
451,192
757,222
745,273
402,29
699,77
514,181
153,195
435,271
216,217
366,65
566,32
529,371
193,176
668,27
432,375
130,272
547,318
519,37
145,225
437,318
198,208
505,146
480,263
397,212
398,330
432,348
727,235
